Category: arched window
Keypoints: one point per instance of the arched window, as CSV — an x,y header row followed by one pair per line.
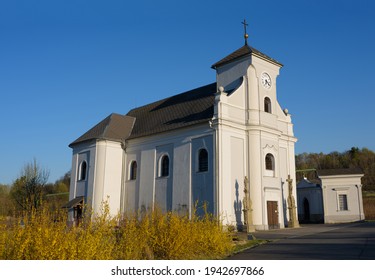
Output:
x,y
202,160
83,171
267,105
270,162
164,166
133,170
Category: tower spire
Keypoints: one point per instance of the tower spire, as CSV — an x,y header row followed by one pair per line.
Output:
x,y
245,33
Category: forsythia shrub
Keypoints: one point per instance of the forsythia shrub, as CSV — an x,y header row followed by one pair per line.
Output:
x,y
152,235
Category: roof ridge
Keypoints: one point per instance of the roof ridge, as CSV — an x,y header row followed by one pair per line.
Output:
x,y
169,97
340,171
107,125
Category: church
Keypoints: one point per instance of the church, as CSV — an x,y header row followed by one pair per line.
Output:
x,y
227,148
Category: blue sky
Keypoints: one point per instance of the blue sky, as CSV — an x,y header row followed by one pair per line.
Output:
x,y
65,65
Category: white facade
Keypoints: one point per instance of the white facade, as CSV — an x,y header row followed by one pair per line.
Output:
x,y
247,135
342,198
175,191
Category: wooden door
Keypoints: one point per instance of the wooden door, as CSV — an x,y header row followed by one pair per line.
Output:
x,y
273,215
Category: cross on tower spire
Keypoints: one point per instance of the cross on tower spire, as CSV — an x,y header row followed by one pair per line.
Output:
x,y
245,33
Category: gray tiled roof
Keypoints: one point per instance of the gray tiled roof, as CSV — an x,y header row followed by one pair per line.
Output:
x,y
182,110
242,52
344,171
114,127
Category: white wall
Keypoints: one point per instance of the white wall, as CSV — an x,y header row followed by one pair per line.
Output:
x,y
174,192
202,183
85,151
104,174
349,185
313,194
113,175
164,185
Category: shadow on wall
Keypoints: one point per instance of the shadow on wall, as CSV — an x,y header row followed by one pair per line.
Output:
x,y
238,208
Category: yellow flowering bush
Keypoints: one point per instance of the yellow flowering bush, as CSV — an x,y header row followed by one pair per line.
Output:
x,y
41,235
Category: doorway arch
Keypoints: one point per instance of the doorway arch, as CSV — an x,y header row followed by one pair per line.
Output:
x,y
306,210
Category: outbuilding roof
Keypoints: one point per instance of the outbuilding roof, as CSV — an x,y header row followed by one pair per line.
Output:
x,y
305,184
342,171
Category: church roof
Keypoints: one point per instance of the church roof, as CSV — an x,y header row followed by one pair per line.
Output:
x,y
246,50
182,110
114,127
178,111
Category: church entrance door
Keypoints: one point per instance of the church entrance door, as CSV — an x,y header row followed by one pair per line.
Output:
x,y
273,215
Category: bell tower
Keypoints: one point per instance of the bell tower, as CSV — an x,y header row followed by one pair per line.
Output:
x,y
247,105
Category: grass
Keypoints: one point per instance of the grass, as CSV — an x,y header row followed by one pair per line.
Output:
x,y
241,243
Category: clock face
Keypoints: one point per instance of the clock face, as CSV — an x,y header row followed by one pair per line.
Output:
x,y
266,80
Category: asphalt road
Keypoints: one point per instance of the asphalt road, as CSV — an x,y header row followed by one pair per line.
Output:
x,y
353,241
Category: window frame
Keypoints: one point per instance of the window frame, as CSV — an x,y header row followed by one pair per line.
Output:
x,y
133,173
269,162
269,165
202,168
342,205
82,171
164,171
267,105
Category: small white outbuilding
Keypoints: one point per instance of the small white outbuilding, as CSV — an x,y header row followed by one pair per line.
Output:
x,y
336,198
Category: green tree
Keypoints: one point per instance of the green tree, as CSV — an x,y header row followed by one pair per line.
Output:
x,y
353,158
27,190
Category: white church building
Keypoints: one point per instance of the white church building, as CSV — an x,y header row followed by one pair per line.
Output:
x,y
195,147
